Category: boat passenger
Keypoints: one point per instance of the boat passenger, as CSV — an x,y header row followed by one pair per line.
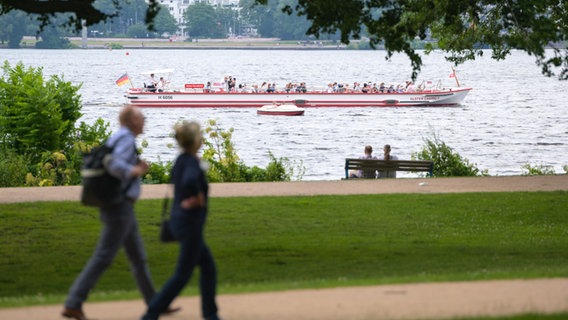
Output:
x,y
160,85
356,87
330,88
391,89
226,82
232,84
365,88
153,83
335,87
409,86
270,88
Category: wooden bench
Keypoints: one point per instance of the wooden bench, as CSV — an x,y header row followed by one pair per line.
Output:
x,y
387,166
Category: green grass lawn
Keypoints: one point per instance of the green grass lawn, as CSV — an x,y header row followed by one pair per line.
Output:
x,y
277,243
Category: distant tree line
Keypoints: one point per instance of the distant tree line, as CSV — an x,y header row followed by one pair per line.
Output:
x,y
202,20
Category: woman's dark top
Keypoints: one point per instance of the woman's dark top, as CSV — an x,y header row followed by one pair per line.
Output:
x,y
189,180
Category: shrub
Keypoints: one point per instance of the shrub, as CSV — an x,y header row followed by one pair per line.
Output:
x,y
447,162
63,167
12,169
54,170
219,151
36,115
226,166
159,172
38,128
282,169
537,170
277,170
114,45
88,136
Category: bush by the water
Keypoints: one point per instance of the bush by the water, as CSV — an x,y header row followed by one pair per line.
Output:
x,y
537,170
447,162
226,166
39,139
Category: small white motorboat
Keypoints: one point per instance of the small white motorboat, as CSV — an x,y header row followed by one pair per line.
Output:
x,y
280,109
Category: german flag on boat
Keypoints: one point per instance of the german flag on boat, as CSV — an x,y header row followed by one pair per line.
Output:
x,y
122,80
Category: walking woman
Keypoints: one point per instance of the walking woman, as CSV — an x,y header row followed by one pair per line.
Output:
x,y
188,216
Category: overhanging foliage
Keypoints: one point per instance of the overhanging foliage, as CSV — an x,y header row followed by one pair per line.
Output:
x,y
84,10
462,27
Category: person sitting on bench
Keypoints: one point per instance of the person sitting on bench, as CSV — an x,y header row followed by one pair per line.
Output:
x,y
387,156
369,173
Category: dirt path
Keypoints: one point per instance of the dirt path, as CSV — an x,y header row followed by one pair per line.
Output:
x,y
437,185
410,301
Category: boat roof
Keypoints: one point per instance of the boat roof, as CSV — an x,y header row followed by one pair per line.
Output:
x,y
159,71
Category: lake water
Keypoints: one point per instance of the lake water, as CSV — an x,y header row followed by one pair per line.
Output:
x,y
513,116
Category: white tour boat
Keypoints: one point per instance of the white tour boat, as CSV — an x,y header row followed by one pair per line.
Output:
x,y
199,95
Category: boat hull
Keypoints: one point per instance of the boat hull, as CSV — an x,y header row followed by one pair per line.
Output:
x,y
180,99
280,113
280,110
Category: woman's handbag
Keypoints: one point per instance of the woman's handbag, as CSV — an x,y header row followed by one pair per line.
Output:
x,y
166,234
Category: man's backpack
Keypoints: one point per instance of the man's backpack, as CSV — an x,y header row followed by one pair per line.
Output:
x,y
100,189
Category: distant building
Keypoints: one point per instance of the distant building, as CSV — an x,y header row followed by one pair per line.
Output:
x,y
177,8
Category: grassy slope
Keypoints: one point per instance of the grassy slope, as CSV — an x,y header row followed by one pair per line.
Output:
x,y
272,243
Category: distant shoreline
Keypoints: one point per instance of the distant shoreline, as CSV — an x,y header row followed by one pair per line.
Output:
x,y
210,47
199,44
198,47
